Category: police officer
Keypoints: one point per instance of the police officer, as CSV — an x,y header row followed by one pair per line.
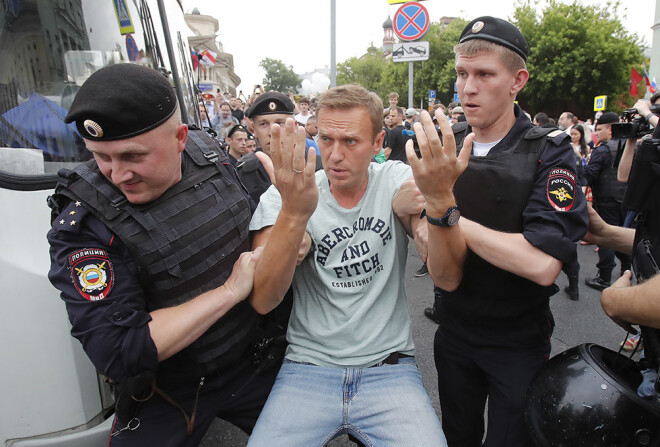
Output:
x,y
269,108
601,174
514,188
149,251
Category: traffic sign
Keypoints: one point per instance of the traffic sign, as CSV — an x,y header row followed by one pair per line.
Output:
x,y
600,102
456,98
132,48
432,95
410,51
411,21
394,2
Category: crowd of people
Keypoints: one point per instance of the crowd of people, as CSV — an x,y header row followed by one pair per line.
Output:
x,y
186,261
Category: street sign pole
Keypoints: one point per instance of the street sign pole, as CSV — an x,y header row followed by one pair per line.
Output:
x,y
411,21
410,85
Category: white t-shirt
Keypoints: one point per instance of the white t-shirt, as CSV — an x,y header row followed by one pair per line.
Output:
x,y
482,149
302,119
350,306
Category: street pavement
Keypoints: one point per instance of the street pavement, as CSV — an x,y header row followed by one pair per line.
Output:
x,y
577,322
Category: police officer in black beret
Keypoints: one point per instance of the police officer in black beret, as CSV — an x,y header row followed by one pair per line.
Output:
x,y
503,215
269,108
601,174
149,250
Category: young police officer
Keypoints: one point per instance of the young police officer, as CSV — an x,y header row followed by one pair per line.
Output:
x,y
146,250
515,186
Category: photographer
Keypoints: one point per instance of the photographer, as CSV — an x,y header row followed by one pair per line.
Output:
x,y
643,109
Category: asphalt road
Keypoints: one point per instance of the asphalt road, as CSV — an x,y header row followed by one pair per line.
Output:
x,y
576,322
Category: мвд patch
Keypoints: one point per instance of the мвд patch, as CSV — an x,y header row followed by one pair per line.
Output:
x,y
91,272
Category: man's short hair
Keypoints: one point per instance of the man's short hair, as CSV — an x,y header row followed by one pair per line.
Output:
x,y
225,103
394,95
399,111
569,115
542,118
353,96
509,58
304,100
311,118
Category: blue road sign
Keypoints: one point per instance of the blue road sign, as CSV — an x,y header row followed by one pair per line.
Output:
x,y
456,98
132,48
411,21
431,94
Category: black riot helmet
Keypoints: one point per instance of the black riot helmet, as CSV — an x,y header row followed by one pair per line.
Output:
x,y
587,396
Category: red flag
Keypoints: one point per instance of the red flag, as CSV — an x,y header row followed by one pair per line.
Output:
x,y
635,78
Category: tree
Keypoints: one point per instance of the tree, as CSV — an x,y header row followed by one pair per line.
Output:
x,y
365,71
383,76
279,77
577,52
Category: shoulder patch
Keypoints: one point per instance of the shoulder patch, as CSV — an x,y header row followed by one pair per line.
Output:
x,y
560,189
91,272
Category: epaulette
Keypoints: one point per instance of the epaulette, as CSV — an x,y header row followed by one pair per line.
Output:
x,y
71,218
556,136
248,163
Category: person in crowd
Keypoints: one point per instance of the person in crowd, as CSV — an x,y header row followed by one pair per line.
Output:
x,y
224,120
601,175
303,116
396,140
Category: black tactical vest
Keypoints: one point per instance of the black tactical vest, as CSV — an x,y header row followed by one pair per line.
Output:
x,y
185,242
494,191
607,187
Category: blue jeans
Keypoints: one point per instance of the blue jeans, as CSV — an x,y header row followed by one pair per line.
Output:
x,y
381,406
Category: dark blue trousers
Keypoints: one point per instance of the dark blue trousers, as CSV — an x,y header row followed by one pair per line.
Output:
x,y
163,424
468,373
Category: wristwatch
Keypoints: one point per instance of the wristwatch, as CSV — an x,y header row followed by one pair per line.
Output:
x,y
448,220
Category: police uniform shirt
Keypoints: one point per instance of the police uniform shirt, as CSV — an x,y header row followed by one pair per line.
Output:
x,y
598,161
98,278
545,227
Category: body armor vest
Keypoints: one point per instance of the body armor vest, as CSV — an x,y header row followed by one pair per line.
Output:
x,y
494,191
253,175
185,242
607,187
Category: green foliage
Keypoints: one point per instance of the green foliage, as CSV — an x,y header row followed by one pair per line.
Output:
x,y
279,77
577,52
383,76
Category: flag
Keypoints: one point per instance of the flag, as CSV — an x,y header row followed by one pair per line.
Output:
x,y
652,87
634,80
195,58
208,57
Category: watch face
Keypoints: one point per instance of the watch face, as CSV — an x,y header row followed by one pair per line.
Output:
x,y
453,217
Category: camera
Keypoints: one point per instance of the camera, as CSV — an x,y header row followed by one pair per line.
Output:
x,y
632,127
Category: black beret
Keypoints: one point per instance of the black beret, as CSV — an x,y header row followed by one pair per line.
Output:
x,y
237,128
121,101
269,104
497,31
608,118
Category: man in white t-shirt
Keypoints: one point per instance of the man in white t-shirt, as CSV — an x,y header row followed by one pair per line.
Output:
x,y
349,367
303,116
